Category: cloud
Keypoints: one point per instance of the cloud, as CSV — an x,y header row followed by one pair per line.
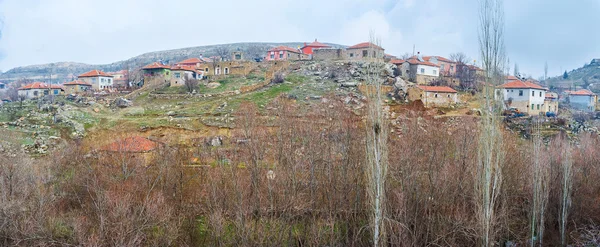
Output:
x,y
359,30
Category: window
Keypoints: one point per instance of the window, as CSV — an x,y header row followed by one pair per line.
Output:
x,y
351,54
435,72
93,79
35,93
167,72
56,91
448,95
206,69
532,93
365,53
435,95
280,55
422,71
226,71
532,105
451,67
177,75
520,92
540,93
507,90
45,92
238,57
538,106
272,56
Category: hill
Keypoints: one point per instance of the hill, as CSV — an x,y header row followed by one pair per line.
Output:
x,y
583,77
62,71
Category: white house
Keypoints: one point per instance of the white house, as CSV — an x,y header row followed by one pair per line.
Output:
x,y
39,89
583,99
98,79
527,97
420,71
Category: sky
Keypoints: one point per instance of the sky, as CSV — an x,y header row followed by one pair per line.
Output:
x,y
562,33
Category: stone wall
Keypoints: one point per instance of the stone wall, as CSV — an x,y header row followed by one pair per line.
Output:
x,y
329,54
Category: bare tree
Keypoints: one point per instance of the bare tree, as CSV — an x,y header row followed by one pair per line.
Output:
x,y
377,162
406,56
491,154
460,57
255,52
566,188
222,52
540,187
191,83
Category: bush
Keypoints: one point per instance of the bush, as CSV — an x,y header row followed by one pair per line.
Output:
x,y
277,78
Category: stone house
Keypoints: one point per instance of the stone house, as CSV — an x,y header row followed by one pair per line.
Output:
x,y
223,68
284,53
527,97
156,70
39,89
98,79
180,73
584,100
433,96
329,54
365,50
76,87
447,66
420,71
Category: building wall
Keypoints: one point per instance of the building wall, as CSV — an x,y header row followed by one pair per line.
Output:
x,y
98,82
432,99
178,82
359,54
286,56
447,69
531,101
329,54
583,102
551,106
74,89
223,68
35,93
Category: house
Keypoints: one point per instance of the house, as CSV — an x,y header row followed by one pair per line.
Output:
x,y
157,69
180,73
284,53
365,50
510,78
527,97
75,87
237,55
308,48
551,102
98,79
195,62
120,78
583,99
433,96
447,66
420,71
39,89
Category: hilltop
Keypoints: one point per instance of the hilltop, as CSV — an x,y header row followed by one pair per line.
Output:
x,y
583,77
62,71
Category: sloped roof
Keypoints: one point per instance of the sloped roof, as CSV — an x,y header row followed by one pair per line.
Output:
x,y
511,78
193,60
135,144
73,83
417,62
94,73
284,48
186,68
317,44
521,84
439,58
156,65
582,92
365,45
40,85
397,61
438,89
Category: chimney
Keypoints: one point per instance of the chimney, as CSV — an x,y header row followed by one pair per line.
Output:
x,y
419,56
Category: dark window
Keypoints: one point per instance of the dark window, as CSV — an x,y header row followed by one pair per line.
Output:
x,y
351,54
238,56
55,91
435,95
520,92
365,53
532,93
532,105
540,94
280,55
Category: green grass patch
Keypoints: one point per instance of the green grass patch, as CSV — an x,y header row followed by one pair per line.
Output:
x,y
295,78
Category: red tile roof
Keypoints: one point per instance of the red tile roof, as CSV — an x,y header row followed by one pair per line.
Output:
x,y
317,44
156,65
94,73
181,67
365,45
41,85
397,61
438,89
439,58
416,61
135,144
77,83
284,48
193,60
521,84
582,92
511,78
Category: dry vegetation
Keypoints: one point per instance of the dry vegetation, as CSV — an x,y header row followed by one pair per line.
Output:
x,y
299,182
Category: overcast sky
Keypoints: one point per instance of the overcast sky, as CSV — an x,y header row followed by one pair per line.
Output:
x,y
563,33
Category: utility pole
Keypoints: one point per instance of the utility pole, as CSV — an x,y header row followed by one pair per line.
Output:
x,y
414,46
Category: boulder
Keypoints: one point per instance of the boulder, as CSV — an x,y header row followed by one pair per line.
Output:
x,y
121,102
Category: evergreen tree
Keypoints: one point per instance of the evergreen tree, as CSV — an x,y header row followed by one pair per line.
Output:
x,y
565,75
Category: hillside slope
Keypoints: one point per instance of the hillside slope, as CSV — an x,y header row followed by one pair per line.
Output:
x,y
583,77
62,71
